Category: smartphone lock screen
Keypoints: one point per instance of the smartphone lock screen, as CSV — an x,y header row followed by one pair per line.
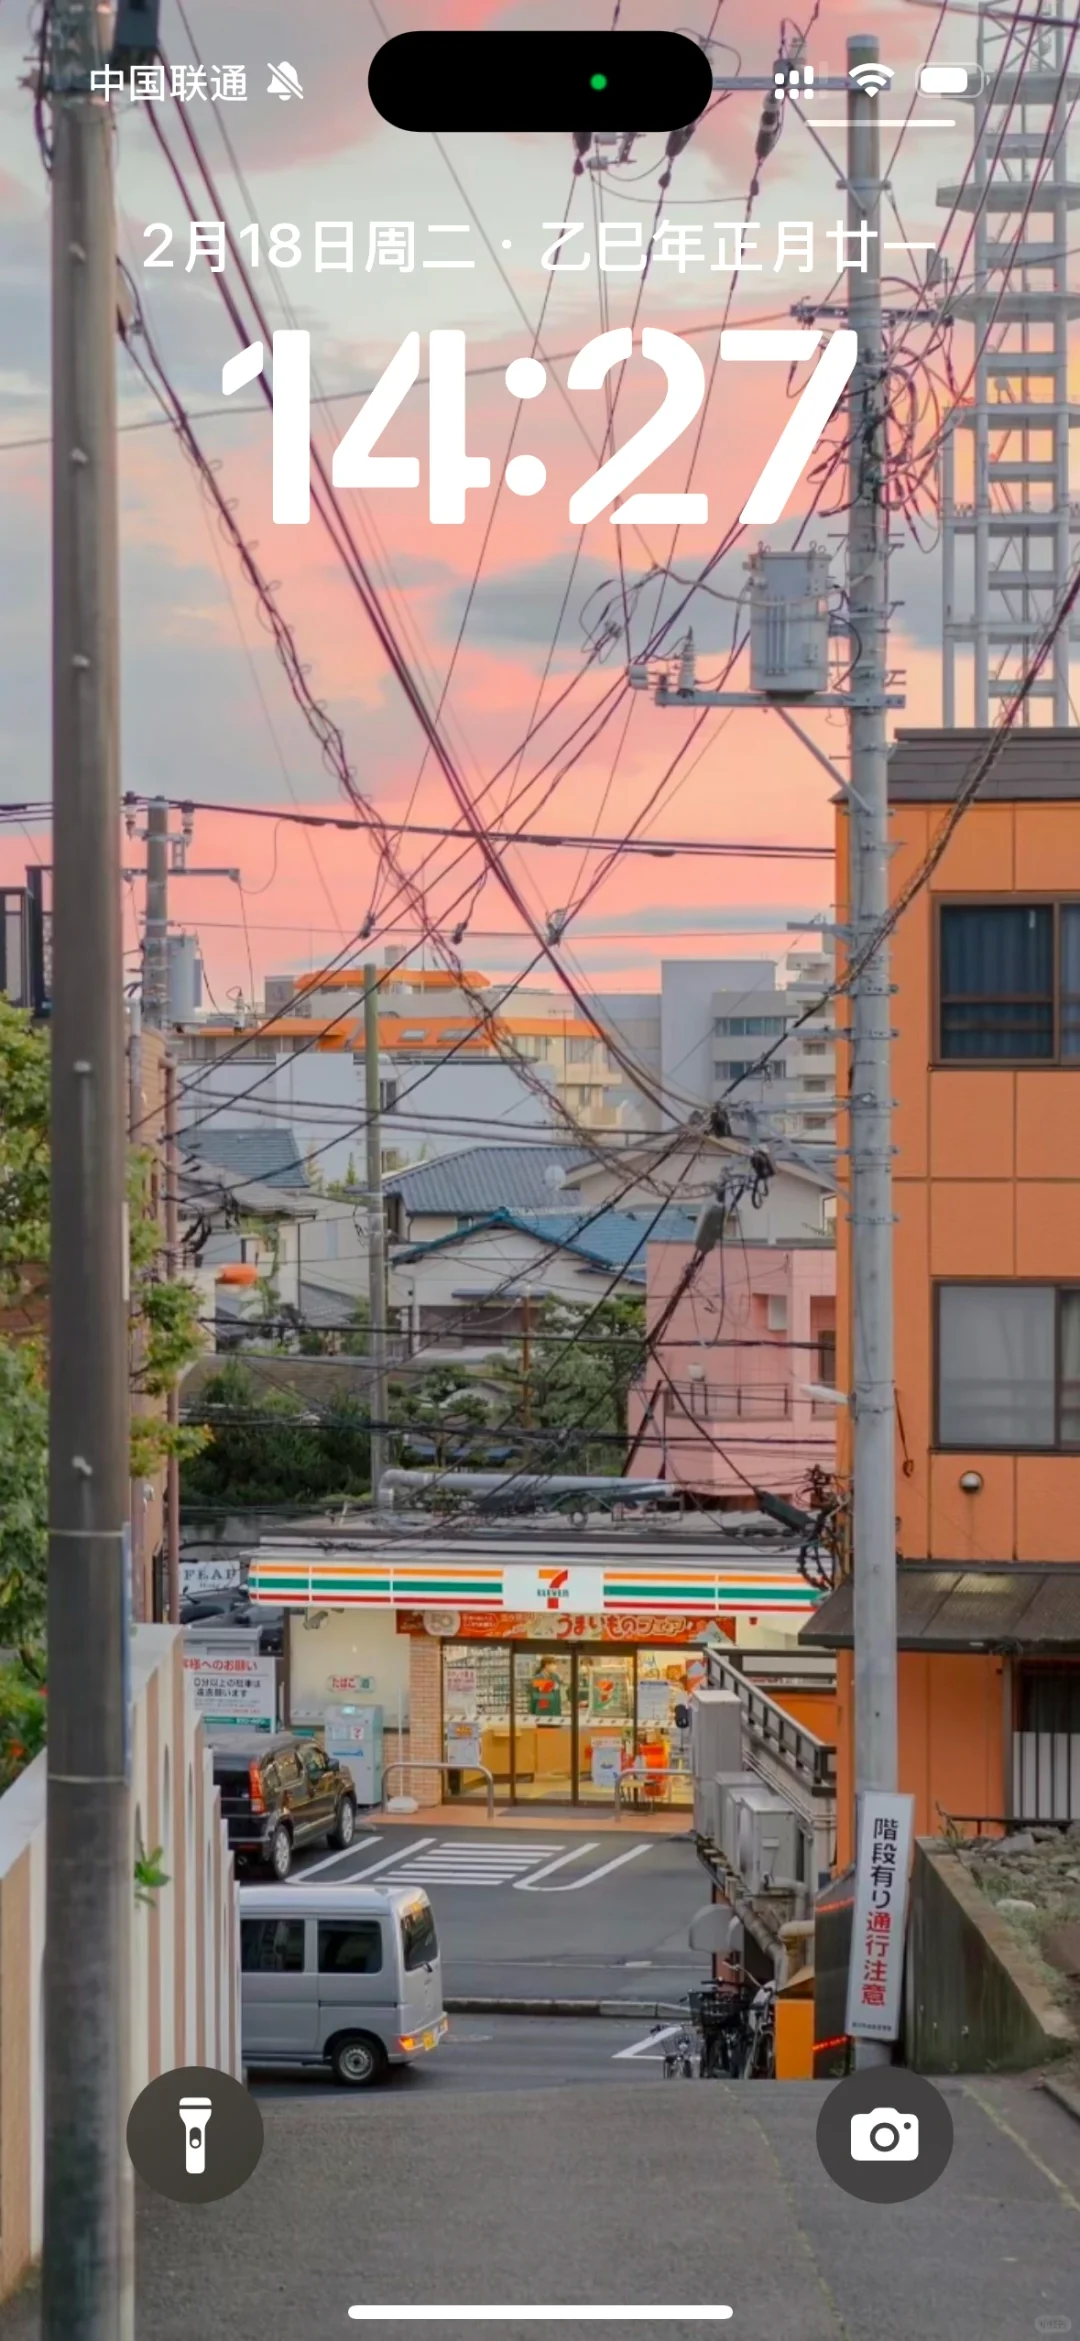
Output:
x,y
539,1322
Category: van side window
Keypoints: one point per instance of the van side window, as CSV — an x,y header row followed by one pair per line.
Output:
x,y
272,1946
350,1946
419,1938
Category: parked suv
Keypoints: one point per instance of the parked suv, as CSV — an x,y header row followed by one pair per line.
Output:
x,y
278,1792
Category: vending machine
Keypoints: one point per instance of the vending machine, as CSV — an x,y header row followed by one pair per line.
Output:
x,y
354,1734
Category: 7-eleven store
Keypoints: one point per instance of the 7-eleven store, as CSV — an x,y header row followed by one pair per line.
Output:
x,y
555,1675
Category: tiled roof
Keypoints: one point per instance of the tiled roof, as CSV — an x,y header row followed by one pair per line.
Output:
x,y
612,1240
270,1155
479,1179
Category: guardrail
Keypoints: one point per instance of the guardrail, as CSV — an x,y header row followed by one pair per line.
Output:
x,y
774,1730
428,1764
639,1779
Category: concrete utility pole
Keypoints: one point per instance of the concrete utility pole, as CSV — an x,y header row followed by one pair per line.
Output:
x,y
172,1253
873,1396
87,2255
380,1444
156,924
142,1606
865,700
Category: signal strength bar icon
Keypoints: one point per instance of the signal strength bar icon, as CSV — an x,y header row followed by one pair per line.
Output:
x,y
794,81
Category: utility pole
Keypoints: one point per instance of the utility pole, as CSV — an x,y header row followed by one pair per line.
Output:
x,y
172,1254
156,926
380,1444
526,1361
87,2259
136,1507
873,1397
866,790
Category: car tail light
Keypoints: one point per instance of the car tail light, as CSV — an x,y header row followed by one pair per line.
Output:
x,y
258,1801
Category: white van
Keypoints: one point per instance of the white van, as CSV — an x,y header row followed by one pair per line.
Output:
x,y
345,1976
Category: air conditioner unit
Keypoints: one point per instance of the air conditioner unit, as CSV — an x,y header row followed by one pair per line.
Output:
x,y
768,1840
715,1733
729,1787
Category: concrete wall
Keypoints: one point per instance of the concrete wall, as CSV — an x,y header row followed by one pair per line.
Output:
x,y
184,2003
975,2001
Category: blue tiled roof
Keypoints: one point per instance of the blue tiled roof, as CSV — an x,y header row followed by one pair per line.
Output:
x,y
613,1240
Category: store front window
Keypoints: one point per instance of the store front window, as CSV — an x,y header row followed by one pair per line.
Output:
x,y
558,1725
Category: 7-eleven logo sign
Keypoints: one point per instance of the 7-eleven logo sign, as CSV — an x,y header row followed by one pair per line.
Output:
x,y
554,1588
578,1587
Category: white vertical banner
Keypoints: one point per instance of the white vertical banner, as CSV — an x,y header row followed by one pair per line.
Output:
x,y
879,1918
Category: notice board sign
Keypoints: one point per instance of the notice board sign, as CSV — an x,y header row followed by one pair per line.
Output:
x,y
879,1917
233,1687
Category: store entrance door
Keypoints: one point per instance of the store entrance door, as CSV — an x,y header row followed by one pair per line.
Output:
x,y
605,1714
559,1725
573,1724
543,1733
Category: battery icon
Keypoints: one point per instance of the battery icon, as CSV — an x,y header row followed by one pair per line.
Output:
x,y
950,81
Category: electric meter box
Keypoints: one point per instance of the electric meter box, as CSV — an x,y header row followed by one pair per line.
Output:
x,y
789,623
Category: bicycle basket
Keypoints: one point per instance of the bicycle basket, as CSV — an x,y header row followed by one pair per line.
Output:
x,y
714,2008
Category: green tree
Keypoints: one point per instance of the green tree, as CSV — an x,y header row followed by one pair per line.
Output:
x,y
582,1361
24,1478
24,1152
440,1407
260,1448
165,1333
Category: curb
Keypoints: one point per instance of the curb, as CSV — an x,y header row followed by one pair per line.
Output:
x,y
1068,2099
503,2007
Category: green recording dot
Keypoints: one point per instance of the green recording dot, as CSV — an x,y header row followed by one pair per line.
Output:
x,y
598,81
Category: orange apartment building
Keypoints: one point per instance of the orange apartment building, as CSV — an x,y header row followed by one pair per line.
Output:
x,y
986,1084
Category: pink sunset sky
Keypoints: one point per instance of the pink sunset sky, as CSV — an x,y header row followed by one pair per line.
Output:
x,y
207,712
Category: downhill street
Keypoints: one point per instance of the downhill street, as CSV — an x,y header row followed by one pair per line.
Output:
x,y
646,2193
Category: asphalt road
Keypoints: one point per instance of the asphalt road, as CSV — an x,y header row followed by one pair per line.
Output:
x,y
506,2052
532,1915
638,2194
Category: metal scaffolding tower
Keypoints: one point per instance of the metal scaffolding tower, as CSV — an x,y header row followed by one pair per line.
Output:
x,y
1018,516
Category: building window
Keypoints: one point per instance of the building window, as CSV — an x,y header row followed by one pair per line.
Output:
x,y
745,1068
997,982
580,1052
812,1084
1008,1365
748,1027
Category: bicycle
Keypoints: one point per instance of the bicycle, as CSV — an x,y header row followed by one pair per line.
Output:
x,y
759,2056
679,2057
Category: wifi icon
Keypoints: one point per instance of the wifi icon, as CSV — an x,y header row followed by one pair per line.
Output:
x,y
871,78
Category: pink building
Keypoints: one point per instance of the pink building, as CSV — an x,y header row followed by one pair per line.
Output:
x,y
726,1398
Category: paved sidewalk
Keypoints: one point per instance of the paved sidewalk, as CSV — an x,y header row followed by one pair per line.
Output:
x,y
659,2194
563,1819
